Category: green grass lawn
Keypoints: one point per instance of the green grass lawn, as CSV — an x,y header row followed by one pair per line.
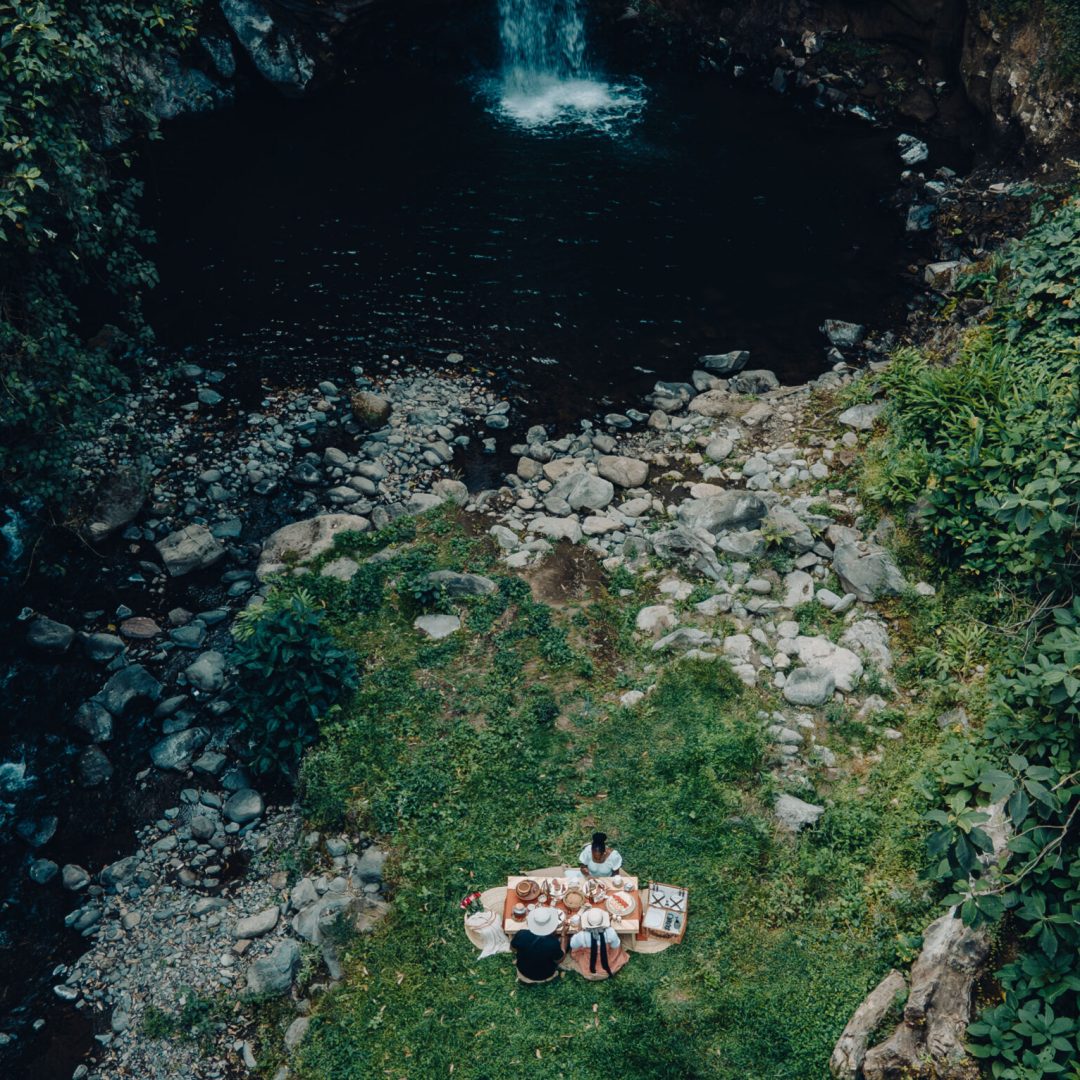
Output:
x,y
502,748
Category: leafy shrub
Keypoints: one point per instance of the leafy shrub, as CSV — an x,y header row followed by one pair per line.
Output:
x,y
290,673
70,99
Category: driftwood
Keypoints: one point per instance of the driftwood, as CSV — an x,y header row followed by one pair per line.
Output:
x,y
928,1044
847,1059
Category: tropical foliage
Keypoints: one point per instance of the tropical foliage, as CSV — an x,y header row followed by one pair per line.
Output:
x,y
71,98
993,439
291,672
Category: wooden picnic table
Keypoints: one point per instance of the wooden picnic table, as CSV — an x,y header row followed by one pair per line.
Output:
x,y
631,925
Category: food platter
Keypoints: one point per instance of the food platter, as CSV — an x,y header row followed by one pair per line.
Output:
x,y
621,904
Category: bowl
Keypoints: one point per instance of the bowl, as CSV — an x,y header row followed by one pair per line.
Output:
x,y
519,911
527,889
617,881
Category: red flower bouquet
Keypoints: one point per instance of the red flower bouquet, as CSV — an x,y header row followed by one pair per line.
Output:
x,y
471,904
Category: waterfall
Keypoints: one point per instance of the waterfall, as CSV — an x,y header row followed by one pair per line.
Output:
x,y
546,81
541,42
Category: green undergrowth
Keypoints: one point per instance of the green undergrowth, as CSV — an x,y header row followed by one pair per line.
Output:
x,y
981,460
502,747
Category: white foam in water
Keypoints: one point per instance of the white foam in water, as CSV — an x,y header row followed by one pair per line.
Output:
x,y
554,103
546,83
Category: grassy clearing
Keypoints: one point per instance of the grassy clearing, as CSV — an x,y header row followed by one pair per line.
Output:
x,y
502,747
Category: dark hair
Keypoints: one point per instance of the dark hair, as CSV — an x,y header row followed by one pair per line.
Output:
x,y
599,841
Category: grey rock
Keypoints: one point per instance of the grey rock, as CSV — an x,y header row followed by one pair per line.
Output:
x,y
691,546
207,673
243,806
210,764
101,647
118,502
274,974
758,381
177,751
120,872
456,585
843,334
304,540
74,878
94,767
868,572
725,363
583,491
369,867
627,472
49,636
862,417
809,686
276,51
295,1032
685,637
93,722
718,513
869,638
131,685
437,627
795,535
371,411
191,548
257,925
42,871
557,529
794,814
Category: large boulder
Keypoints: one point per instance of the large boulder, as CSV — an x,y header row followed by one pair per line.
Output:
x,y
795,814
243,806
371,411
793,533
304,540
725,363
49,636
254,926
867,571
758,381
207,673
273,975
862,417
690,546
192,548
718,513
118,502
457,585
176,752
810,687
276,50
582,491
870,639
842,664
627,472
129,686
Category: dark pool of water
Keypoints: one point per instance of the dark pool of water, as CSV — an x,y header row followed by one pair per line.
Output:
x,y
394,215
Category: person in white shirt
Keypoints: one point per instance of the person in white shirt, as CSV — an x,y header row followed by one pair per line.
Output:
x,y
597,859
595,950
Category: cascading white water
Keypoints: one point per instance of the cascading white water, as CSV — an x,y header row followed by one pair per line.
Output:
x,y
546,81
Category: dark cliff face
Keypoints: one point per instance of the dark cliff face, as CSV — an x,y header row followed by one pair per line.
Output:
x,y
928,60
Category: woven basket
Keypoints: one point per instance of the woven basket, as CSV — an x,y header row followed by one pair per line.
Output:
x,y
574,899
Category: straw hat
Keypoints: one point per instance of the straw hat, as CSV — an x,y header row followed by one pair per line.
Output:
x,y
543,920
595,919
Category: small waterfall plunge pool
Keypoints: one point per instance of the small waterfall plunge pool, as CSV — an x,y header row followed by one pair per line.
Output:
x,y
415,209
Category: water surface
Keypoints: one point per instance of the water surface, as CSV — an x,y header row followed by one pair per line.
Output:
x,y
408,214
